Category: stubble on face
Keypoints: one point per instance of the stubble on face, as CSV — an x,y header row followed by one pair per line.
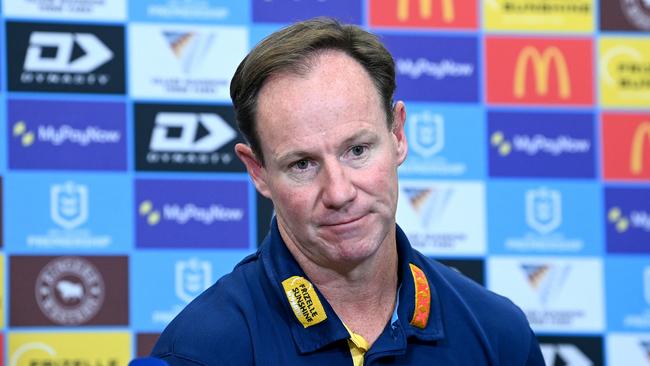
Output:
x,y
340,209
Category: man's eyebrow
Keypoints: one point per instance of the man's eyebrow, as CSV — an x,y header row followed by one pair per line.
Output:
x,y
300,154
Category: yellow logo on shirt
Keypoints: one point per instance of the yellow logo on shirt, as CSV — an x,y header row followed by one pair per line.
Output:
x,y
304,301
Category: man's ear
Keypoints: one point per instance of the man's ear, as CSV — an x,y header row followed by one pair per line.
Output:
x,y
399,119
254,168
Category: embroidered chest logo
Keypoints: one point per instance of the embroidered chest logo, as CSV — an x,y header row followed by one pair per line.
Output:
x,y
304,301
422,298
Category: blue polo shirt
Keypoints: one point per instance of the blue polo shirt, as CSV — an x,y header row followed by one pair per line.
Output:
x,y
266,312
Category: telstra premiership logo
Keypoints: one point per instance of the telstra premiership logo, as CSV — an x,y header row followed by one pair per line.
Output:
x,y
426,133
26,136
425,9
541,62
543,209
641,136
192,277
69,204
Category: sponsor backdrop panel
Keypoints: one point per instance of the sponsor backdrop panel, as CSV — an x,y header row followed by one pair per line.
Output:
x,y
541,144
95,10
66,348
68,291
624,72
427,72
558,350
423,14
187,62
121,197
628,307
53,213
67,135
203,11
627,220
54,57
544,217
438,137
557,294
443,217
539,16
625,349
192,214
163,282
626,146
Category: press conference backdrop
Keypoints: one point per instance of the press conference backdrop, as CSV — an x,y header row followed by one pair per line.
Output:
x,y
529,163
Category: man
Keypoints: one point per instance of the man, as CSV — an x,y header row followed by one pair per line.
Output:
x,y
336,281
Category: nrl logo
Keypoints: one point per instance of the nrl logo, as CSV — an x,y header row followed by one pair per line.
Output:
x,y
426,133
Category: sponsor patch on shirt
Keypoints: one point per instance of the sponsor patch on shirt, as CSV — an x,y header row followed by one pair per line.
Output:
x,y
304,301
422,298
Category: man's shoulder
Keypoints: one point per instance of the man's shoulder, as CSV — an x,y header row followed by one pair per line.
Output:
x,y
494,313
215,323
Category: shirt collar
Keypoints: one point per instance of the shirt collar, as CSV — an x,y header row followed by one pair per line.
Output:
x,y
280,265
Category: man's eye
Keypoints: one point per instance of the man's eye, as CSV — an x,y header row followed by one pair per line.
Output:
x,y
301,164
358,150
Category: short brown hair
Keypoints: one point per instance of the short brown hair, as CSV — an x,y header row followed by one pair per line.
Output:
x,y
290,50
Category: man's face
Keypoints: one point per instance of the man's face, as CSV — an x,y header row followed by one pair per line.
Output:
x,y
330,160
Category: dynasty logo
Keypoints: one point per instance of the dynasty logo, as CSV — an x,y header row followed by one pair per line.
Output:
x,y
65,58
69,290
187,138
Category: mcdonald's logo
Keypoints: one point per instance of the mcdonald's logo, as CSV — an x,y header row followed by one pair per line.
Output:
x,y
626,146
423,13
425,9
641,135
539,70
541,66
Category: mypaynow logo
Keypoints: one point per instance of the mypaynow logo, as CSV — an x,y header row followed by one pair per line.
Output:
x,y
626,146
535,71
437,70
58,135
427,72
423,13
182,214
627,220
541,144
192,213
67,135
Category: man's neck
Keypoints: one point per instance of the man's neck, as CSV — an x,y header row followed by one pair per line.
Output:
x,y
363,295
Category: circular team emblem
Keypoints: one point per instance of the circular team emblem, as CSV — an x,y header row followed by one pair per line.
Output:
x,y
637,12
69,290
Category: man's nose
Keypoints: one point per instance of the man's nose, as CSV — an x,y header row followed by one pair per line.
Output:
x,y
338,188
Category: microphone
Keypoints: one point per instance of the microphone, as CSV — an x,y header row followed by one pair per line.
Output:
x,y
148,361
